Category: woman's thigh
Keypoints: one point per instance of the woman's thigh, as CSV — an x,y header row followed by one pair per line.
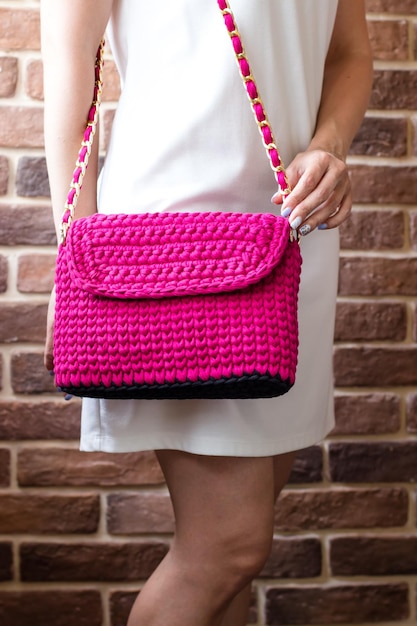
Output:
x,y
220,502
283,465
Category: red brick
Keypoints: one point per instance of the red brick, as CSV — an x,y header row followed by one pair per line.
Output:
x,y
4,175
29,374
375,367
24,513
20,29
381,137
39,420
337,604
412,413
378,276
121,603
415,41
34,79
415,502
72,468
50,608
390,462
80,562
371,321
341,508
367,414
21,127
8,76
389,39
308,466
21,322
394,89
374,556
414,131
6,561
415,324
4,467
138,513
391,6
413,227
253,609
383,184
21,225
32,178
293,558
373,230
4,273
36,273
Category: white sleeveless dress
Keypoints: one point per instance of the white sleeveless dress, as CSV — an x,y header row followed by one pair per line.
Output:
x,y
184,138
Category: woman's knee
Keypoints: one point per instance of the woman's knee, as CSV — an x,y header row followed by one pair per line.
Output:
x,y
249,557
230,556
238,557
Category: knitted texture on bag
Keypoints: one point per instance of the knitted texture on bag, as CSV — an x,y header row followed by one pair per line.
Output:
x,y
183,305
177,300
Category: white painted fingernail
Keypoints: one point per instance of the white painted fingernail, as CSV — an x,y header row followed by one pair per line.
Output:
x,y
304,230
296,223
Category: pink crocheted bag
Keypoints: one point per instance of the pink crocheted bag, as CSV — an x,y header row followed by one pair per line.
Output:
x,y
177,305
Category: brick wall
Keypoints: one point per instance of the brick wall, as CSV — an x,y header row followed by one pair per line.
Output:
x,y
79,533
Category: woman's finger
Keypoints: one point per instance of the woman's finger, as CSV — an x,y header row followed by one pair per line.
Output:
x,y
319,207
306,198
342,214
324,219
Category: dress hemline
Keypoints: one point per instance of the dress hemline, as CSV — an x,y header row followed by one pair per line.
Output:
x,y
207,446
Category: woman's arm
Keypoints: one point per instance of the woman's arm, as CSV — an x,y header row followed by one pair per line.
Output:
x,y
71,32
319,175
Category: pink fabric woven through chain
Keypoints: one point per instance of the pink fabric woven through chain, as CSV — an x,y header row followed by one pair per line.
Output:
x,y
166,298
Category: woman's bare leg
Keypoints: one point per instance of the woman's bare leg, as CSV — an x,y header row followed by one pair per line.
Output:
x,y
237,613
224,509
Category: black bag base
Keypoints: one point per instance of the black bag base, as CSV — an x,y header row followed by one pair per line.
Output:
x,y
243,387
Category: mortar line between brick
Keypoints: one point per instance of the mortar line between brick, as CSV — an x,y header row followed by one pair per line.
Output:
x,y
13,262
382,161
14,486
105,607
388,16
395,65
29,249
6,382
399,255
102,531
392,114
260,601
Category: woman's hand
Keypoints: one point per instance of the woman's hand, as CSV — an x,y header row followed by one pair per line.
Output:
x,y
49,343
321,196
321,193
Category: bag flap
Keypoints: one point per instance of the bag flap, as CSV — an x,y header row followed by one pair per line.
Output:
x,y
173,254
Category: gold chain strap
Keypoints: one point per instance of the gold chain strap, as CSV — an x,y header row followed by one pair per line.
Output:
x,y
86,147
257,106
251,90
